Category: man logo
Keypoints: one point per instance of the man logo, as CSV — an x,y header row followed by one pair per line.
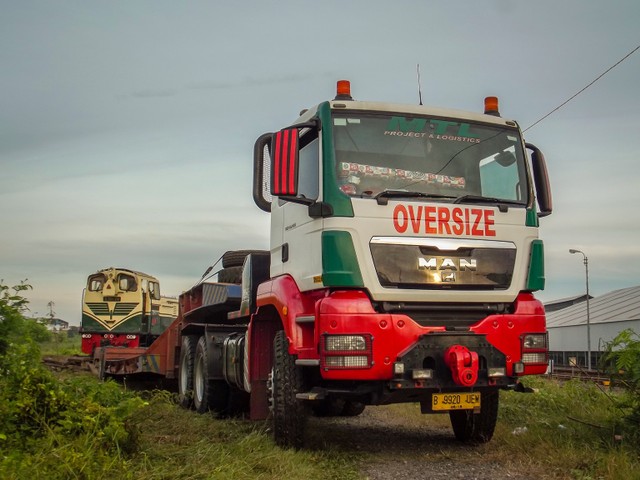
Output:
x,y
451,264
449,277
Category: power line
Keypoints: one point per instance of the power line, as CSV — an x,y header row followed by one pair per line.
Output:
x,y
578,93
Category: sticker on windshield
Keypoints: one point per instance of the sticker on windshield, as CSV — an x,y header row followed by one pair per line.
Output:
x,y
354,172
434,129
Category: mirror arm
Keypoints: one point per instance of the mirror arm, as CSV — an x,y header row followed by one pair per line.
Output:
x,y
315,122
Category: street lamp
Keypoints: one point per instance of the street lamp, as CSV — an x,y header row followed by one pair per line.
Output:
x,y
586,269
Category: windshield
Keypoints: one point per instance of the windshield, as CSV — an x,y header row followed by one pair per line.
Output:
x,y
446,158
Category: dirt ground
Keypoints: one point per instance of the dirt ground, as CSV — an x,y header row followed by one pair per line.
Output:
x,y
392,448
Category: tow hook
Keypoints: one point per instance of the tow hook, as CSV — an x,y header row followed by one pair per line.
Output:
x,y
463,364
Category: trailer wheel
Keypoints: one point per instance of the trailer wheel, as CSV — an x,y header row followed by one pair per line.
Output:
x,y
235,258
208,395
477,427
289,413
185,372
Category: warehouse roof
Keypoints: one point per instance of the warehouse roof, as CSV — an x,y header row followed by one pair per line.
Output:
x,y
561,303
615,306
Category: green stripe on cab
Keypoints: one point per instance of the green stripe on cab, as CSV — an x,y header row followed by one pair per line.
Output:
x,y
339,262
535,281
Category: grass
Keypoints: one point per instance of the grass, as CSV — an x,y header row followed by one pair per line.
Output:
x,y
62,344
560,431
570,430
179,444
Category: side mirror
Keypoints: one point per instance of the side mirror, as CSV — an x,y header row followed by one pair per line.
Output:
x,y
285,160
277,155
261,158
541,181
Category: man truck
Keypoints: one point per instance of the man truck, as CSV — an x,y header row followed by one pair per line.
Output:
x,y
404,256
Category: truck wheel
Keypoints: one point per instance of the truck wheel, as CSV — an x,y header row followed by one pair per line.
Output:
x,y
185,371
352,409
289,414
477,427
208,395
235,258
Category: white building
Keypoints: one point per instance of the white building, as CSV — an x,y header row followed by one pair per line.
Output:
x,y
57,325
609,314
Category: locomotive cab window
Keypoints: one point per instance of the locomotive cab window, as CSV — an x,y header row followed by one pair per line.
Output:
x,y
96,282
127,283
154,290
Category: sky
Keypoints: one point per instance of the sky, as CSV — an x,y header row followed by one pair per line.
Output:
x,y
127,128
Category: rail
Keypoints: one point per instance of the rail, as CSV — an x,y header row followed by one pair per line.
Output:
x,y
570,373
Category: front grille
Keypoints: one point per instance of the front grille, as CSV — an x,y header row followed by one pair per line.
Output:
x,y
123,309
443,264
452,316
101,309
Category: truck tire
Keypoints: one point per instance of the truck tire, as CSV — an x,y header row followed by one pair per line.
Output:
x,y
230,275
235,258
208,395
185,370
289,414
476,428
352,409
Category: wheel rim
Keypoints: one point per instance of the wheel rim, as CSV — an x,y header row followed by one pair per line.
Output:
x,y
198,386
184,377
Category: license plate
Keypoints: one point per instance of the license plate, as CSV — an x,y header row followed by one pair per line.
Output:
x,y
456,401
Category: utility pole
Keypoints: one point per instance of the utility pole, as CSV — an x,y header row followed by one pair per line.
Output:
x,y
586,268
51,314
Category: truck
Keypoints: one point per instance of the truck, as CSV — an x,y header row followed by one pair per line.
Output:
x,y
404,258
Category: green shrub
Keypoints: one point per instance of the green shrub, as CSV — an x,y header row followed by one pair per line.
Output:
x,y
622,361
12,307
51,428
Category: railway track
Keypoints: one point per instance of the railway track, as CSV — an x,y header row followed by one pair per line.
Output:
x,y
570,373
67,362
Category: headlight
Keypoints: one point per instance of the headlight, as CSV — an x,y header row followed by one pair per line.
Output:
x,y
345,343
535,341
346,352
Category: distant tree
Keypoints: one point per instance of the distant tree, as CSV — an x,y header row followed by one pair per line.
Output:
x,y
12,308
14,326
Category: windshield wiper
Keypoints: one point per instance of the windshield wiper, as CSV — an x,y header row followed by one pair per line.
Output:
x,y
502,203
383,197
